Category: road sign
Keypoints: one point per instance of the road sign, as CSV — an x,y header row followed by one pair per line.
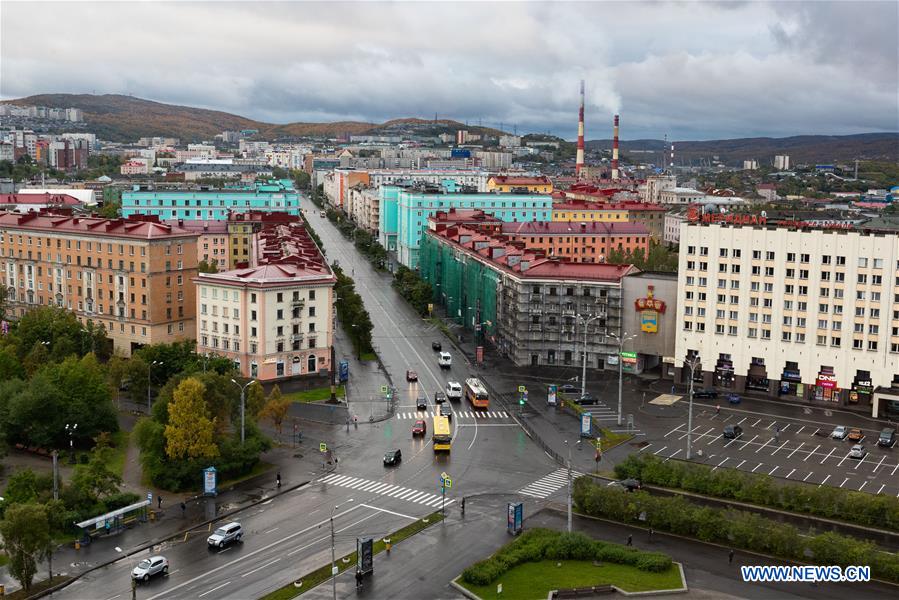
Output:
x,y
522,389
323,447
447,482
384,389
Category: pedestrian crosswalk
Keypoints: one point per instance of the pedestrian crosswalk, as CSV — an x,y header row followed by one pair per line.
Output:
x,y
478,415
548,484
386,489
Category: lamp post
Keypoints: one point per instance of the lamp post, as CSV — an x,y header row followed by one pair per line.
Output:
x,y
622,340
569,482
243,389
333,559
70,429
130,573
586,319
149,385
692,363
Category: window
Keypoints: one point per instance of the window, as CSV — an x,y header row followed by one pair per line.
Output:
x,y
841,262
752,332
804,258
767,303
769,271
788,321
753,317
691,249
688,310
786,336
825,276
835,342
769,287
732,330
719,314
253,298
722,252
789,289
719,329
691,265
790,272
862,278
756,270
873,329
800,338
788,305
803,273
824,292
878,263
875,313
862,262
791,257
857,344
766,334
825,260
800,322
769,255
311,327
756,254
872,345
703,251
822,323
253,315
753,302
688,325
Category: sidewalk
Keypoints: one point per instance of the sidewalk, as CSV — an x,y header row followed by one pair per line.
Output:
x,y
364,396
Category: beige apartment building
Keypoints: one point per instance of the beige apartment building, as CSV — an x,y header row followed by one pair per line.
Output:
x,y
808,315
132,275
273,318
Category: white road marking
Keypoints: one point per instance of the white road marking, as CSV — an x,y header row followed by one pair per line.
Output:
x,y
390,512
881,488
828,455
740,422
757,466
771,472
880,463
261,567
801,444
778,448
790,473
860,462
270,531
727,458
763,445
840,464
643,448
675,454
844,482
800,430
894,469
213,589
807,476
810,453
750,441
660,449
825,481
784,428
864,483
756,423
741,464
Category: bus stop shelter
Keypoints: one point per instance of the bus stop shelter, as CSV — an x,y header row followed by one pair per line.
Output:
x,y
113,521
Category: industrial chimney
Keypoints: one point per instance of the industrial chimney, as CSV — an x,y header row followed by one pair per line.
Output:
x,y
615,150
579,163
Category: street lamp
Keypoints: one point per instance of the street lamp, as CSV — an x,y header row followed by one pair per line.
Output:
x,y
622,340
333,560
130,573
149,369
692,363
586,319
243,389
70,429
569,482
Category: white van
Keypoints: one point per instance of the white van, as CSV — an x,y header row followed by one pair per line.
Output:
x,y
454,390
445,360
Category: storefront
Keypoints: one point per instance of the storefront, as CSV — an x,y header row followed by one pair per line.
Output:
x,y
826,388
757,377
724,371
862,388
791,381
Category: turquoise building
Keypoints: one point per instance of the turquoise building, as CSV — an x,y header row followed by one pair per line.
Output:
x,y
277,195
404,213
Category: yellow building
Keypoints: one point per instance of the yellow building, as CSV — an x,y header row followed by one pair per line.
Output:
x,y
507,184
652,216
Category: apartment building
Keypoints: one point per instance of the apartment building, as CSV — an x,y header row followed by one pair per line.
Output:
x,y
808,314
130,275
363,207
212,204
212,240
274,319
586,242
651,216
508,183
242,227
529,306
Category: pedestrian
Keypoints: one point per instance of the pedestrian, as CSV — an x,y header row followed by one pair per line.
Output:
x,y
717,409
358,578
159,502
355,421
463,505
183,509
278,479
630,540
347,424
651,531
730,557
672,390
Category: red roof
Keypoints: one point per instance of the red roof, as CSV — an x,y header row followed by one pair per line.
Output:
x,y
41,199
585,205
574,228
454,215
138,226
514,257
198,226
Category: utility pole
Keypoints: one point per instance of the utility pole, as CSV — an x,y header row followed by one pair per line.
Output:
x,y
692,364
587,319
333,558
622,339
243,404
55,475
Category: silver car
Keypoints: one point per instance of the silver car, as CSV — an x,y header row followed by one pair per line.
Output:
x,y
227,533
857,451
149,567
840,432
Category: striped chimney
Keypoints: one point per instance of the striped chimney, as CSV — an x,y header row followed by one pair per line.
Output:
x,y
615,150
579,162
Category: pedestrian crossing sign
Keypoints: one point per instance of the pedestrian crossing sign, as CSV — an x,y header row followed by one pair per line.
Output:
x,y
323,447
383,389
522,389
447,482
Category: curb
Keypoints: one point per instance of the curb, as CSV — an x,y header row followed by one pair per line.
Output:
x,y
166,538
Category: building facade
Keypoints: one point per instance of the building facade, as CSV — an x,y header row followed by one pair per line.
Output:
x,y
212,241
273,319
654,185
673,222
650,216
242,227
130,275
649,313
524,304
806,315
586,242
213,205
680,196
506,184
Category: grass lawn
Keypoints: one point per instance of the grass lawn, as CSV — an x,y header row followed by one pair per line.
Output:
x,y
120,448
610,439
315,394
323,573
531,581
261,467
368,356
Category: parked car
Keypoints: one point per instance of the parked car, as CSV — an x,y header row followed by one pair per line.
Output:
x,y
436,346
393,457
569,388
587,398
227,533
855,435
419,428
445,360
453,390
446,410
887,437
628,485
734,398
706,393
149,567
857,451
411,375
421,403
322,214
732,432
439,397
840,432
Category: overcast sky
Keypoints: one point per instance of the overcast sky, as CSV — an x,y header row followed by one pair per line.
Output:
x,y
691,70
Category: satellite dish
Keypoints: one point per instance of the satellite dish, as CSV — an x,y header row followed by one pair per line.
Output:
x,y
765,214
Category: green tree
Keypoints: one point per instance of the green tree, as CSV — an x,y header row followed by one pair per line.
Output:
x,y
189,433
208,267
27,486
135,375
88,395
26,537
255,399
10,366
36,414
275,409
95,479
301,179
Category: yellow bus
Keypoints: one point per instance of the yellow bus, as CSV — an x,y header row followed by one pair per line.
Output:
x,y
442,434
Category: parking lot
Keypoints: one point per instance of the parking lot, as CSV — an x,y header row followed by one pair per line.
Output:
x,y
791,448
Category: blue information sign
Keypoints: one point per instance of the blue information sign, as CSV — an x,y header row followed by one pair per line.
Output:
x,y
344,371
209,482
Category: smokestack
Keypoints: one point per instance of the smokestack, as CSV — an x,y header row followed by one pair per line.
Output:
x,y
672,157
615,150
579,163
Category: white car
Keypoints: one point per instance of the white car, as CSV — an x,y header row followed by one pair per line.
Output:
x,y
453,390
227,533
445,360
149,567
840,432
857,451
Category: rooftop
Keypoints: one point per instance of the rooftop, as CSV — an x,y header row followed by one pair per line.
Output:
x,y
513,180
573,228
198,226
46,199
573,204
146,227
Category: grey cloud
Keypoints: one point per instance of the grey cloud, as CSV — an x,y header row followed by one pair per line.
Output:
x,y
687,69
